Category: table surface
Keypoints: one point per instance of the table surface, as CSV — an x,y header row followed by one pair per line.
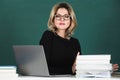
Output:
x,y
113,77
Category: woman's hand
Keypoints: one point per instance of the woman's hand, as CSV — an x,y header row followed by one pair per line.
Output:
x,y
115,67
74,67
74,64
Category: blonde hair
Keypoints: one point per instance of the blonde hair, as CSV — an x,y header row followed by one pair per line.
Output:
x,y
73,20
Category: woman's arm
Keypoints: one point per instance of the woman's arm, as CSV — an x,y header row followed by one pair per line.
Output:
x,y
74,64
46,41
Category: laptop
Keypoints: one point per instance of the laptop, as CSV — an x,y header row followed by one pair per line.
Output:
x,y
31,61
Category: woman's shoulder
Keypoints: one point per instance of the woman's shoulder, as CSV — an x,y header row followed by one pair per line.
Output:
x,y
74,39
48,33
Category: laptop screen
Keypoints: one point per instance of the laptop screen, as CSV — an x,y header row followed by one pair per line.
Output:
x,y
30,60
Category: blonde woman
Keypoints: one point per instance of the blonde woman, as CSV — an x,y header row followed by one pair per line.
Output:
x,y
60,47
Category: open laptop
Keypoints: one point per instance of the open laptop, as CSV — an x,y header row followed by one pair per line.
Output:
x,y
31,60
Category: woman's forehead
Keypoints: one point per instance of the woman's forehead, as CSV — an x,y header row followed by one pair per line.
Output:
x,y
62,11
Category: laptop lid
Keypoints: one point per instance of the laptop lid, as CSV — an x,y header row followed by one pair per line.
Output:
x,y
30,60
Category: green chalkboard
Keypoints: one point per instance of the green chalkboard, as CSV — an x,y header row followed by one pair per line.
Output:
x,y
22,22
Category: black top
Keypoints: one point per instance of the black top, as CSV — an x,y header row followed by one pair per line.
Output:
x,y
60,52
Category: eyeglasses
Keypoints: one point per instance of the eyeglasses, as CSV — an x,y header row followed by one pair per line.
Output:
x,y
58,17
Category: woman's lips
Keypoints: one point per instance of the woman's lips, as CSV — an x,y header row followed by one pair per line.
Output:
x,y
61,23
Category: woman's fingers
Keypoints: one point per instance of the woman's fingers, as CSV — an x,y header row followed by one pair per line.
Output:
x,y
115,67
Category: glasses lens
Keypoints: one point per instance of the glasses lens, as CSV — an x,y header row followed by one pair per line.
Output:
x,y
66,17
57,17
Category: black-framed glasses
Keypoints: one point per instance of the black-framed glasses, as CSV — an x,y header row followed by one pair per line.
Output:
x,y
59,17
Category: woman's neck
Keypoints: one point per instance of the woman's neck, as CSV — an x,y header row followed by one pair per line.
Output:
x,y
61,33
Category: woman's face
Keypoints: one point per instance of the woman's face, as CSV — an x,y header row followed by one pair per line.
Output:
x,y
62,19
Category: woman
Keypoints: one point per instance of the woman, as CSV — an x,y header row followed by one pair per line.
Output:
x,y
60,47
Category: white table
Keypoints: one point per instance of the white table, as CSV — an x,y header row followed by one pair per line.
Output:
x,y
114,77
64,78
56,78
